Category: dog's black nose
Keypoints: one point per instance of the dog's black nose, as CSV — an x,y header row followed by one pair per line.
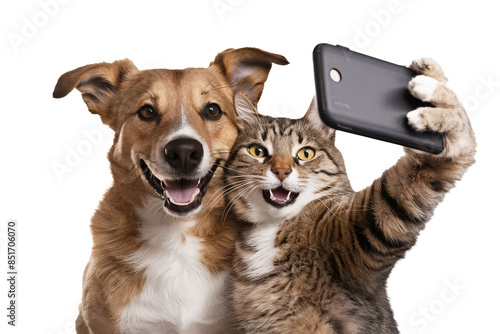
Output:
x,y
184,154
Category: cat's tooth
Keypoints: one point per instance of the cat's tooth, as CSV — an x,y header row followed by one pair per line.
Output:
x,y
272,195
288,196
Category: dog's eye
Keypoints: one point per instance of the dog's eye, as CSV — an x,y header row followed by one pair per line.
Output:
x,y
212,112
257,151
305,153
147,113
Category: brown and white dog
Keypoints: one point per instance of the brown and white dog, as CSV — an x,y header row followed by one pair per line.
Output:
x,y
161,251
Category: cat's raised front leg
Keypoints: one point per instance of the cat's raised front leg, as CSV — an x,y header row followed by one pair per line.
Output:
x,y
396,206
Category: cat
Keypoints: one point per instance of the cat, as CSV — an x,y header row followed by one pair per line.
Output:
x,y
312,255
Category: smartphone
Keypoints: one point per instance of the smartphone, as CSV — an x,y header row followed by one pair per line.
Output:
x,y
367,96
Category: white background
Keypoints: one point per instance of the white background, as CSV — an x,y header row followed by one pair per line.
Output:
x,y
39,42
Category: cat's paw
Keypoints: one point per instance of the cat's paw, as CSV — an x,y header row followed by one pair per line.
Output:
x,y
423,87
430,68
446,116
417,120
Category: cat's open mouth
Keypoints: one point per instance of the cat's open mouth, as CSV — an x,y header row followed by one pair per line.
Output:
x,y
182,195
279,197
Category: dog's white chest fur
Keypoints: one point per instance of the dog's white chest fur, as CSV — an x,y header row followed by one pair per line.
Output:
x,y
179,295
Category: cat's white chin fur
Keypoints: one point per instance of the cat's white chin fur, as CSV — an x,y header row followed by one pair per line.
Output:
x,y
261,211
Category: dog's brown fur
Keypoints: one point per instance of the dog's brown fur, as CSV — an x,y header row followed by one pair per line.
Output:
x,y
116,91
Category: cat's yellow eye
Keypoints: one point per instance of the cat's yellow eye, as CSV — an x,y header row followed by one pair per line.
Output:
x,y
305,153
257,151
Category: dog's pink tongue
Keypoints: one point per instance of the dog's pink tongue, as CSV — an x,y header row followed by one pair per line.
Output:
x,y
280,194
183,191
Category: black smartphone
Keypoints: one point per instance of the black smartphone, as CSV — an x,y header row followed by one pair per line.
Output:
x,y
367,96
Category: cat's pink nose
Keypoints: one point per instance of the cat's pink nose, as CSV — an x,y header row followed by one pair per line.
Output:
x,y
281,173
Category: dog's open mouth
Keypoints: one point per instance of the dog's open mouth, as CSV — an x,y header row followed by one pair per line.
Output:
x,y
182,195
279,197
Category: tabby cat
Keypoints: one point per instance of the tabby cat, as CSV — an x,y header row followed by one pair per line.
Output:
x,y
313,256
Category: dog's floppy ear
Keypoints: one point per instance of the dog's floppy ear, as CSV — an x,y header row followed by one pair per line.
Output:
x,y
98,84
247,69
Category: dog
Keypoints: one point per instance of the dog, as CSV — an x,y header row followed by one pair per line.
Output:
x,y
161,252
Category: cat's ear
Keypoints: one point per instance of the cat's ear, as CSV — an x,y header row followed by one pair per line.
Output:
x,y
312,117
246,111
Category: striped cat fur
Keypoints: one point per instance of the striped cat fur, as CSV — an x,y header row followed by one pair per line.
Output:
x,y
313,256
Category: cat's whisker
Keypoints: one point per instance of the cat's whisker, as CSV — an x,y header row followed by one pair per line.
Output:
x,y
159,205
255,177
228,188
338,206
335,193
231,203
224,191
249,191
234,170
